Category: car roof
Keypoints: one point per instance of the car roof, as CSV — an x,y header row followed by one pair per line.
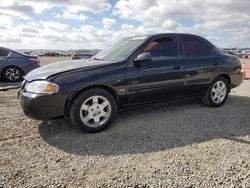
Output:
x,y
160,34
3,48
13,51
7,49
164,34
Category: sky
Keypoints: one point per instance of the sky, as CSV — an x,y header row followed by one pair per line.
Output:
x,y
96,24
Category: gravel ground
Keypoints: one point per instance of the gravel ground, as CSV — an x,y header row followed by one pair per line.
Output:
x,y
174,144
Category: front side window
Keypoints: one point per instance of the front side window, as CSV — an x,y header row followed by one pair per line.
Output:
x,y
3,53
193,47
166,47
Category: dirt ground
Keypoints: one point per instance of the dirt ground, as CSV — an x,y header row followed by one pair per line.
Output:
x,y
173,144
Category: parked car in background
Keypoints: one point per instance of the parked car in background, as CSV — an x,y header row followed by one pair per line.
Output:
x,y
238,52
14,65
230,52
52,54
245,53
134,71
66,54
76,56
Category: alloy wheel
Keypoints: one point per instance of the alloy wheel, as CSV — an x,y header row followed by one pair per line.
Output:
x,y
219,92
95,111
12,74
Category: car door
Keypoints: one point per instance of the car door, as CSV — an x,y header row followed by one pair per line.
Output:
x,y
159,78
199,65
3,57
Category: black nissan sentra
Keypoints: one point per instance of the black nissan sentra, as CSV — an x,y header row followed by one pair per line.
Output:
x,y
134,71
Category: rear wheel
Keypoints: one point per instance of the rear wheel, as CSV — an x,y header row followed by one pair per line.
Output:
x,y
12,74
217,93
93,110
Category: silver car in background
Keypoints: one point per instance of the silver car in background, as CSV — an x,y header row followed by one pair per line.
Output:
x,y
78,55
14,65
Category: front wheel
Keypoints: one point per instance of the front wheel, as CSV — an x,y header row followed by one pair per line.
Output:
x,y
93,110
217,93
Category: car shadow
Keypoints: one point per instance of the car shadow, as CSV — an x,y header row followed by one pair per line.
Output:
x,y
9,84
155,128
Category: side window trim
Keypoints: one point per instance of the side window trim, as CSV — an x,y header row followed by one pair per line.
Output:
x,y
197,57
175,38
208,44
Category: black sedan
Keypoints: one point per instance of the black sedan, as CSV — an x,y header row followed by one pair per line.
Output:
x,y
134,71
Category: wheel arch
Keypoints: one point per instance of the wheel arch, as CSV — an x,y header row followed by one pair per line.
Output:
x,y
227,77
104,87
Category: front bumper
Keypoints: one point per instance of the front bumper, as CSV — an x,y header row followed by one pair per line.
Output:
x,y
42,106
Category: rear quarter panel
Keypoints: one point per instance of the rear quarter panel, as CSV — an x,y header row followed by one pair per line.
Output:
x,y
21,61
232,67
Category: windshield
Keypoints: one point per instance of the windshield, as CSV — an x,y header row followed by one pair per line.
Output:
x,y
121,49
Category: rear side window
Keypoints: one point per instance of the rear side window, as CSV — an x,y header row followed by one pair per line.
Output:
x,y
4,53
211,49
193,46
163,48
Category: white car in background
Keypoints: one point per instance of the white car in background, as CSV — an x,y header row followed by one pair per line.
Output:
x,y
245,53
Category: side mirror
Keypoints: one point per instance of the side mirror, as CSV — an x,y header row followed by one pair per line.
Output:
x,y
146,56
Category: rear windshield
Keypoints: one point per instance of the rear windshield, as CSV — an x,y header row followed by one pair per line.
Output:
x,y
4,53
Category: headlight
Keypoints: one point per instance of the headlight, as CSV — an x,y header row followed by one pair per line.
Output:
x,y
42,87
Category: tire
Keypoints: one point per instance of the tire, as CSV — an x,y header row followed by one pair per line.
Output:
x,y
210,98
90,113
12,74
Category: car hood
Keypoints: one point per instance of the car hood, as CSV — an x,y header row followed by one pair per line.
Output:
x,y
62,66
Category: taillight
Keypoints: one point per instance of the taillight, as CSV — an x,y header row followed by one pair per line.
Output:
x,y
34,60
